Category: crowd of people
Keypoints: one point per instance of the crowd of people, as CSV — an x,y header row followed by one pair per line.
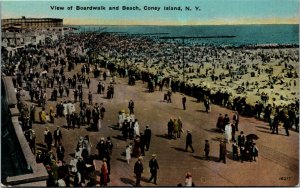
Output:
x,y
51,68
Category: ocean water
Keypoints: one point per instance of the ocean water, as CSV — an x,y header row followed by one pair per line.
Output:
x,y
213,35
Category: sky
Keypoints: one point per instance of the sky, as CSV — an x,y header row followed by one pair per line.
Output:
x,y
210,12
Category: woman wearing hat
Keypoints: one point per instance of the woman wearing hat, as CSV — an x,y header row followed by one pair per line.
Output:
x,y
43,116
51,114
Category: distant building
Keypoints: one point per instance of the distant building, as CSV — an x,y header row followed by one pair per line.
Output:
x,y
19,32
31,23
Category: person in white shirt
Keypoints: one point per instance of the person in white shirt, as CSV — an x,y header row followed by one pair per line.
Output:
x,y
136,128
188,179
228,132
128,153
61,183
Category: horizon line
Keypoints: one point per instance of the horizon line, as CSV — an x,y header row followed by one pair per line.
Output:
x,y
180,24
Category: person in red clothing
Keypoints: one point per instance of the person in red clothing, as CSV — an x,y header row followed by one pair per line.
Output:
x,y
104,174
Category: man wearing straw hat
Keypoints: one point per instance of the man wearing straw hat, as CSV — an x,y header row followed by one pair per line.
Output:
x,y
138,170
153,165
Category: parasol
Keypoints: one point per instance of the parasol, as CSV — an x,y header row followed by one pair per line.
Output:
x,y
252,136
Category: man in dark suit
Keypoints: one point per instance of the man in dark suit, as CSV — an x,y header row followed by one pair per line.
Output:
x,y
184,102
60,151
57,136
48,140
142,144
189,141
286,125
88,114
138,170
131,106
153,165
147,134
275,124
236,120
206,150
88,81
223,152
241,139
90,97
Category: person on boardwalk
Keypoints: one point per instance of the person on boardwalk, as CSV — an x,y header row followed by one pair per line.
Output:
x,y
176,128
60,151
138,170
153,165
128,154
90,96
104,178
57,136
236,120
131,106
170,128
142,144
228,132
223,152
234,150
275,124
102,111
136,151
88,114
88,81
255,151
207,104
180,127
206,150
147,134
48,138
188,180
286,125
184,102
220,123
189,141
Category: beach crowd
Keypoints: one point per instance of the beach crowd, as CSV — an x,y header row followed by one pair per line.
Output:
x,y
66,68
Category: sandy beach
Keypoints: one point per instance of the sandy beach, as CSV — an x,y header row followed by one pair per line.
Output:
x,y
235,66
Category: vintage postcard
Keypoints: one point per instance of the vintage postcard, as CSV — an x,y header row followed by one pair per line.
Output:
x,y
150,93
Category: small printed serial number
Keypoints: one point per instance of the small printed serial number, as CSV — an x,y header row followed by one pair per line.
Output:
x,y
285,178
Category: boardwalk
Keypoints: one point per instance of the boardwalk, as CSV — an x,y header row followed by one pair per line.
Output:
x,y
277,164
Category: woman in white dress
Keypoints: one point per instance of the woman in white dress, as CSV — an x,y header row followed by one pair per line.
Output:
x,y
120,122
65,109
136,128
228,132
128,153
69,108
99,124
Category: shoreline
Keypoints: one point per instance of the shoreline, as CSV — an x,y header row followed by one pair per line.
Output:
x,y
281,95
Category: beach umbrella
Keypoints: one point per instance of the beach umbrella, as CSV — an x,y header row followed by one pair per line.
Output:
x,y
252,137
